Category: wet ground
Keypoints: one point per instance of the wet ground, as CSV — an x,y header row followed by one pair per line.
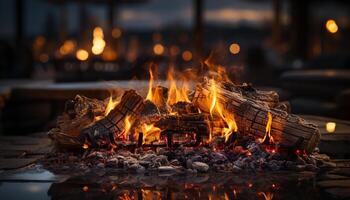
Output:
x,y
33,182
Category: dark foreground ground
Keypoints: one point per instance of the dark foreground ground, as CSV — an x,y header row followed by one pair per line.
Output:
x,y
21,177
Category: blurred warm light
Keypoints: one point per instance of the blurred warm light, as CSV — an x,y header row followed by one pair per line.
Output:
x,y
85,188
158,49
187,55
43,58
82,54
157,37
85,146
330,127
98,32
98,43
331,26
116,33
98,46
235,48
40,40
67,47
174,50
109,54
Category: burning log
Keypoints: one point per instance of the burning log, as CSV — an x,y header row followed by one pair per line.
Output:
x,y
78,114
107,130
251,116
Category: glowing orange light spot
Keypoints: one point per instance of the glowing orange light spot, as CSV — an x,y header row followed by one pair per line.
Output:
x,y
331,26
330,127
116,33
85,146
85,188
82,55
98,32
158,49
235,48
187,56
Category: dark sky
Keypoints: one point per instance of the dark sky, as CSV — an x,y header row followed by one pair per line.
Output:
x,y
152,15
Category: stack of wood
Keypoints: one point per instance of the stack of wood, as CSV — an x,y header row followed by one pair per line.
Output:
x,y
249,106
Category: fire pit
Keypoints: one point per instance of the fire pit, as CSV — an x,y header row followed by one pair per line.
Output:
x,y
214,126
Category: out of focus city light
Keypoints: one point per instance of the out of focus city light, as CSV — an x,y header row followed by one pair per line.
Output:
x,y
67,47
98,43
187,55
98,46
82,54
98,32
331,26
330,127
158,49
116,33
235,48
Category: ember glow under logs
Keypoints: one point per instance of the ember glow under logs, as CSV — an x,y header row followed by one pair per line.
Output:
x,y
214,110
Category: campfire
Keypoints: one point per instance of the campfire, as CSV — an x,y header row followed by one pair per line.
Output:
x,y
202,124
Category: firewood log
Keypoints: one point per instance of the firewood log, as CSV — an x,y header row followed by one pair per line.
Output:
x,y
78,114
289,131
106,131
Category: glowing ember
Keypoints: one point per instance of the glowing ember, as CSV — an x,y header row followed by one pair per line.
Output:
x,y
82,55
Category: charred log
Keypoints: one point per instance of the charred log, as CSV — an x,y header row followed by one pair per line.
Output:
x,y
288,130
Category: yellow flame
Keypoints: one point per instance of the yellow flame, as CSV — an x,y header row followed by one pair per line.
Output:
x,y
150,133
268,130
111,105
127,126
176,95
150,86
216,108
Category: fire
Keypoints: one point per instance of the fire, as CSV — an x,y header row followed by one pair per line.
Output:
x,y
216,108
127,126
154,93
267,196
176,95
150,132
267,135
111,105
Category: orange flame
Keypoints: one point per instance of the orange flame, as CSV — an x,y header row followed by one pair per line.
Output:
x,y
150,133
112,103
154,93
268,130
150,86
176,95
127,126
216,107
267,196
